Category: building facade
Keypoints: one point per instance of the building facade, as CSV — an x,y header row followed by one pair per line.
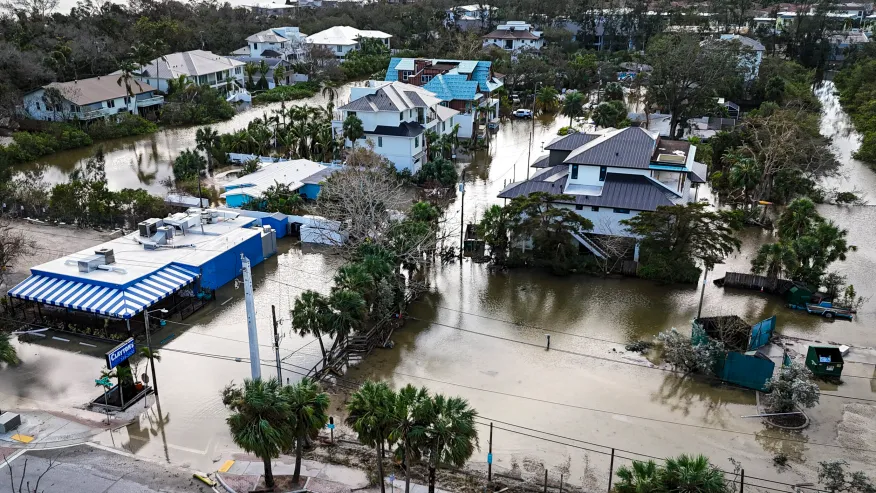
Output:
x,y
199,67
396,117
90,99
614,175
341,40
514,36
287,43
302,176
466,86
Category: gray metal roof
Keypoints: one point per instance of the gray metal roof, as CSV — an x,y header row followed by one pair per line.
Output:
x,y
630,147
394,96
699,172
622,191
542,162
570,142
405,129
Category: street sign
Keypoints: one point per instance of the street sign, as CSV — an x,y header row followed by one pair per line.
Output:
x,y
120,353
490,458
330,426
104,381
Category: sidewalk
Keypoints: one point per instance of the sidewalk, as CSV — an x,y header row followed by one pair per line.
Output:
x,y
240,476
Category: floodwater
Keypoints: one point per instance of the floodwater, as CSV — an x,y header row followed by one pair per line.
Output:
x,y
145,161
481,335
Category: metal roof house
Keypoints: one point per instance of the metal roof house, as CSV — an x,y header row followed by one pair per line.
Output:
x,y
463,85
395,117
614,174
341,40
199,67
514,36
179,256
300,175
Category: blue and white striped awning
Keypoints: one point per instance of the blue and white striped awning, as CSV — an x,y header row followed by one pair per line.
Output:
x,y
120,303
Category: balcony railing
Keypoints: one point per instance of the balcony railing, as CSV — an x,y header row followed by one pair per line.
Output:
x,y
142,103
98,113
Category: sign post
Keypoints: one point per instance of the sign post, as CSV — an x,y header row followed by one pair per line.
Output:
x,y
106,384
331,427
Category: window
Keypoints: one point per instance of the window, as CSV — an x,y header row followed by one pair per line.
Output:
x,y
111,103
351,113
594,209
38,106
425,78
202,79
127,100
338,48
237,70
379,141
579,207
602,171
416,142
621,211
574,171
401,116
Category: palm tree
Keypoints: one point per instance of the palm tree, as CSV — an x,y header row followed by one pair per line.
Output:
x,y
641,478
546,99
774,259
250,69
688,473
150,355
347,314
308,406
8,354
408,403
330,92
279,74
208,140
370,415
573,106
309,317
797,219
263,71
353,129
354,277
449,435
744,174
262,422
178,85
128,70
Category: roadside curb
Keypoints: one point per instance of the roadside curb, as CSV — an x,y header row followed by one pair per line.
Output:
x,y
224,485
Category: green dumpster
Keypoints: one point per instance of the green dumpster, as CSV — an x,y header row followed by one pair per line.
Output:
x,y
798,296
825,361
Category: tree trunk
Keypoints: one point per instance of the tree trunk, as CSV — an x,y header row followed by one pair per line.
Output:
x,y
299,446
407,467
380,467
269,474
431,479
321,347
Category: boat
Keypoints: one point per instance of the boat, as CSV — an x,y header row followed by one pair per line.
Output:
x,y
494,124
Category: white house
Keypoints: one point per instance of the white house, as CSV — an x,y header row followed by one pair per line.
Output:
x,y
288,43
396,117
300,175
341,40
757,49
514,36
614,175
199,67
470,17
89,99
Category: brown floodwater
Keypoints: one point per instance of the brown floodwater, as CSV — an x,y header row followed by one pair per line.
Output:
x,y
481,335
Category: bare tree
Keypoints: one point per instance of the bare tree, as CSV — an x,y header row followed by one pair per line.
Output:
x,y
13,245
39,8
22,486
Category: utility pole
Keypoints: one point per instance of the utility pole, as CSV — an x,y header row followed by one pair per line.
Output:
x,y
277,343
149,347
531,132
702,293
254,360
490,457
462,216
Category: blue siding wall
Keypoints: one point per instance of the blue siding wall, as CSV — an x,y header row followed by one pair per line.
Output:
x,y
279,225
310,191
223,268
237,200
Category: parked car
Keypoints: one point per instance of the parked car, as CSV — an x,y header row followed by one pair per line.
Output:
x,y
523,113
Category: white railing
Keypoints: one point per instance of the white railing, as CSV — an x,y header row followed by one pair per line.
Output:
x,y
150,101
91,115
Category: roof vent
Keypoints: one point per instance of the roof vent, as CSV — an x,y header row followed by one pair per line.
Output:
x,y
108,255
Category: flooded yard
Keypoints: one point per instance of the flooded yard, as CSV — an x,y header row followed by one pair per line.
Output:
x,y
482,335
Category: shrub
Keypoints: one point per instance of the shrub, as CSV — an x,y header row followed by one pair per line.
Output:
x,y
287,93
123,125
28,146
196,105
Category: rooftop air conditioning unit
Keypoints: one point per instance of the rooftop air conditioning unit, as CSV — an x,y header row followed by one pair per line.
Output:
x,y
90,263
108,255
149,227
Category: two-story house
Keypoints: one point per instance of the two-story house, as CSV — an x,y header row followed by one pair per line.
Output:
x,y
470,17
614,175
396,117
200,68
88,99
466,86
341,40
514,36
288,43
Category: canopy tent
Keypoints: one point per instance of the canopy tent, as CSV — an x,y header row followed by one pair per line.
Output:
x,y
121,303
